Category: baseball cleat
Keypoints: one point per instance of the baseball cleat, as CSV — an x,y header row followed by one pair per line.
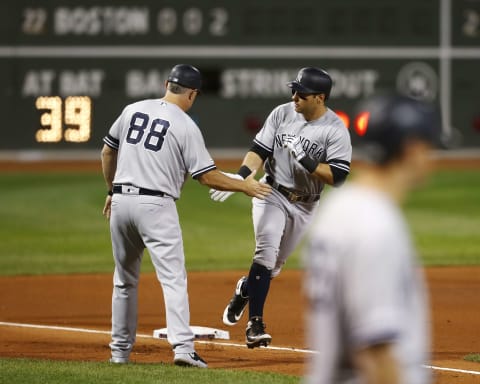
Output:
x,y
234,310
189,360
256,336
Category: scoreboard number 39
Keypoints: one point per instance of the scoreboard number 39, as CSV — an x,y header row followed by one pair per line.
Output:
x,y
69,120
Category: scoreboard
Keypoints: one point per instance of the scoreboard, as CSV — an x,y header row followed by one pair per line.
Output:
x,y
67,68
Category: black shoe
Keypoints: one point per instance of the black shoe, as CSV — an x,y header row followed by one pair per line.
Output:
x,y
234,310
256,336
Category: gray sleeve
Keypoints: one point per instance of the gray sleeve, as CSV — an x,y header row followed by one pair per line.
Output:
x,y
112,139
339,149
266,137
197,158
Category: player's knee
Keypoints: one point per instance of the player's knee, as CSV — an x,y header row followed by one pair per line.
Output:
x,y
268,264
266,257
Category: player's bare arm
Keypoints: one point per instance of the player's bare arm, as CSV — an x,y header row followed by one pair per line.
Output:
x,y
324,173
252,160
109,165
221,182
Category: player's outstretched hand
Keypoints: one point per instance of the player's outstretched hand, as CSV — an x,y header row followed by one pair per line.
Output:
x,y
255,188
295,147
221,196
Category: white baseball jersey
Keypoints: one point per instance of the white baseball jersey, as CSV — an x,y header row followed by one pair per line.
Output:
x,y
326,140
364,287
158,146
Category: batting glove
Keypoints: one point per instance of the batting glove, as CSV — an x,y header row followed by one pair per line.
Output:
x,y
295,147
221,196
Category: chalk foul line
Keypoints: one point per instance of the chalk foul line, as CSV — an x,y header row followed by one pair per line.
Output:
x,y
225,344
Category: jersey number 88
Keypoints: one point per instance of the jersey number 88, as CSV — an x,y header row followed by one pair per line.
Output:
x,y
154,139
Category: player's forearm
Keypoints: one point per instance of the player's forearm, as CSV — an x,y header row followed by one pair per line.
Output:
x,y
324,173
109,165
253,161
217,180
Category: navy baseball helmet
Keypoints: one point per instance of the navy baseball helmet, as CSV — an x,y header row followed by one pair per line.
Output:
x,y
311,80
391,121
186,75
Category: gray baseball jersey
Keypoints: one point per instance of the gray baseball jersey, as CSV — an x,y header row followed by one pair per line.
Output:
x,y
364,287
158,145
279,225
325,139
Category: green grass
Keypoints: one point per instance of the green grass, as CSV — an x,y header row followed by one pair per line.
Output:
x,y
473,357
20,371
445,218
52,223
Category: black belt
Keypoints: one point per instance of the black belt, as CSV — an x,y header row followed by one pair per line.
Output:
x,y
291,195
133,190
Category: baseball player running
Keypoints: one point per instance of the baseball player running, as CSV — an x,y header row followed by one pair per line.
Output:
x,y
368,314
147,154
303,145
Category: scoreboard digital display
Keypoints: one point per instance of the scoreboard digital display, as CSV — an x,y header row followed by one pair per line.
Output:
x,y
68,68
250,22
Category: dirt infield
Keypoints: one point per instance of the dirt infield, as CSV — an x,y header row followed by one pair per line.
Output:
x,y
83,301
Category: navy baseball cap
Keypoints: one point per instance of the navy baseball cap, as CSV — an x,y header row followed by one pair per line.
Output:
x,y
312,80
186,75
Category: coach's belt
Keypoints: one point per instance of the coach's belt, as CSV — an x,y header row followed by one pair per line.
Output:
x,y
292,195
127,189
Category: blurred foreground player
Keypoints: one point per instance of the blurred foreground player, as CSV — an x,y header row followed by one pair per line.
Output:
x,y
368,313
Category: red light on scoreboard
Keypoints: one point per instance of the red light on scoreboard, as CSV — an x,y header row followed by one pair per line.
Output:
x,y
252,124
344,117
361,123
476,123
